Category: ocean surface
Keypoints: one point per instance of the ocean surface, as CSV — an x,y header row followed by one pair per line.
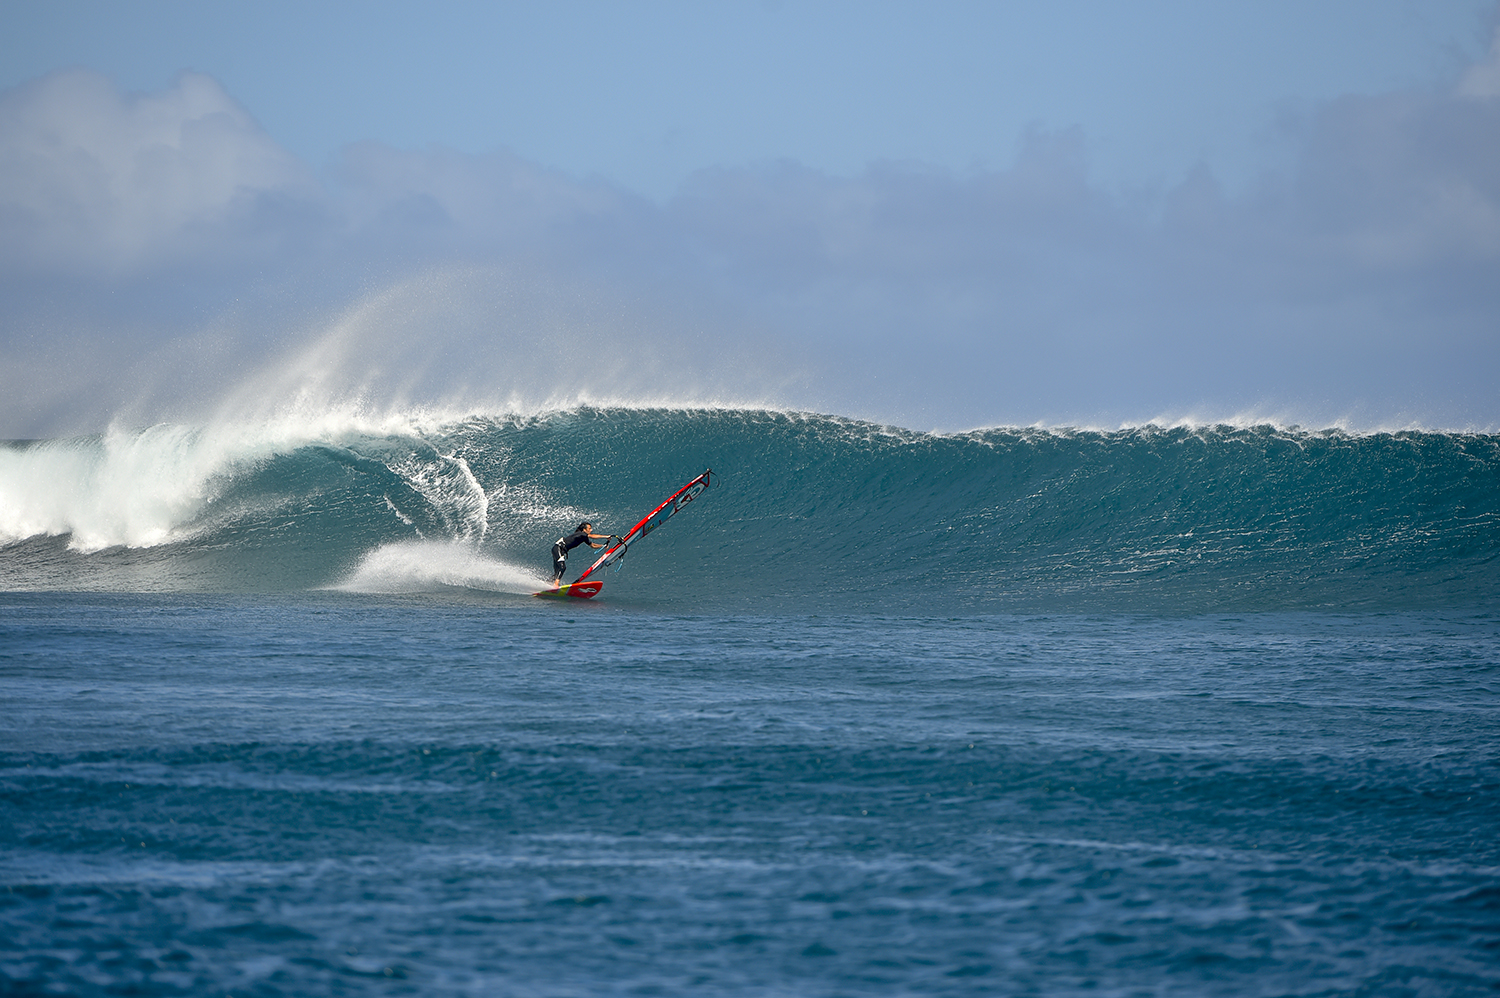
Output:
x,y
1197,711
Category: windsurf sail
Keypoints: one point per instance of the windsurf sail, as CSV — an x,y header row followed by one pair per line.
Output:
x,y
619,545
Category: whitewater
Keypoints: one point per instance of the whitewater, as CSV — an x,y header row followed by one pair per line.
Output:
x,y
1197,710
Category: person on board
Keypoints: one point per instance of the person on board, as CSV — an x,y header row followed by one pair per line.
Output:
x,y
565,544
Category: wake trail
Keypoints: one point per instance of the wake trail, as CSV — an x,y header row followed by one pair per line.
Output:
x,y
423,566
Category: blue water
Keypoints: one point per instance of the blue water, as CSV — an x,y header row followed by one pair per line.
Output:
x,y
1208,711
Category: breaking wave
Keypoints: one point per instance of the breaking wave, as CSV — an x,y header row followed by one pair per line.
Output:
x,y
806,510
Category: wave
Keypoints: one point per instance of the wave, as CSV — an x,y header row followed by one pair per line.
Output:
x,y
806,511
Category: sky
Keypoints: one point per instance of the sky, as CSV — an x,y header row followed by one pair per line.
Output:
x,y
937,215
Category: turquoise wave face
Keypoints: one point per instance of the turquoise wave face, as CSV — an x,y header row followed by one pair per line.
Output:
x,y
805,510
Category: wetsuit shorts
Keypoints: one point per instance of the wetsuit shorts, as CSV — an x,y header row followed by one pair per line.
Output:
x,y
559,559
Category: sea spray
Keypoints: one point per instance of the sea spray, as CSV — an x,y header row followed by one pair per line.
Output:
x,y
425,566
131,489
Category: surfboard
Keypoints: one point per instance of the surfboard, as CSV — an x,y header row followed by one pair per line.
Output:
x,y
580,589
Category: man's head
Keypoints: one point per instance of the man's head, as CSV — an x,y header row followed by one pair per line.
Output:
x,y
585,526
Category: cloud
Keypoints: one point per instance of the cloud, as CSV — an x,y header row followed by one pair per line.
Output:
x,y
93,180
902,242
491,200
1396,185
1359,278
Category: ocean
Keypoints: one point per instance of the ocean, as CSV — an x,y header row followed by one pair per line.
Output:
x,y
1196,710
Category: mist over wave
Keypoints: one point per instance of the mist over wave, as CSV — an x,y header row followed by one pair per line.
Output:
x,y
809,510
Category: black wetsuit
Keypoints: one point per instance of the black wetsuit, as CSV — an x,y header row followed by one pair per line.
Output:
x,y
563,546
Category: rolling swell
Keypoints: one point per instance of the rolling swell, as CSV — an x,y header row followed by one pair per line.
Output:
x,y
806,510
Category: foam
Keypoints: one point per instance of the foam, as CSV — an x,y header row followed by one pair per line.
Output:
x,y
423,566
135,489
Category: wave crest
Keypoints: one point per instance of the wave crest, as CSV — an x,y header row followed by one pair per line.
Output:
x,y
804,508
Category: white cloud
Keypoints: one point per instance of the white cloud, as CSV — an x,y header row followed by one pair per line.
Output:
x,y
91,178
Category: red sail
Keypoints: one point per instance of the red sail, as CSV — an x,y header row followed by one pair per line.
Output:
x,y
616,550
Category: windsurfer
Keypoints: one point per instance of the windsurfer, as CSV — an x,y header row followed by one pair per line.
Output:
x,y
560,550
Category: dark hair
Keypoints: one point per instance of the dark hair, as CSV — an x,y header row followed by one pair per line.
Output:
x,y
584,525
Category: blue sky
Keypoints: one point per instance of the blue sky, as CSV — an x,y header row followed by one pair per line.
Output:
x,y
941,215
644,94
